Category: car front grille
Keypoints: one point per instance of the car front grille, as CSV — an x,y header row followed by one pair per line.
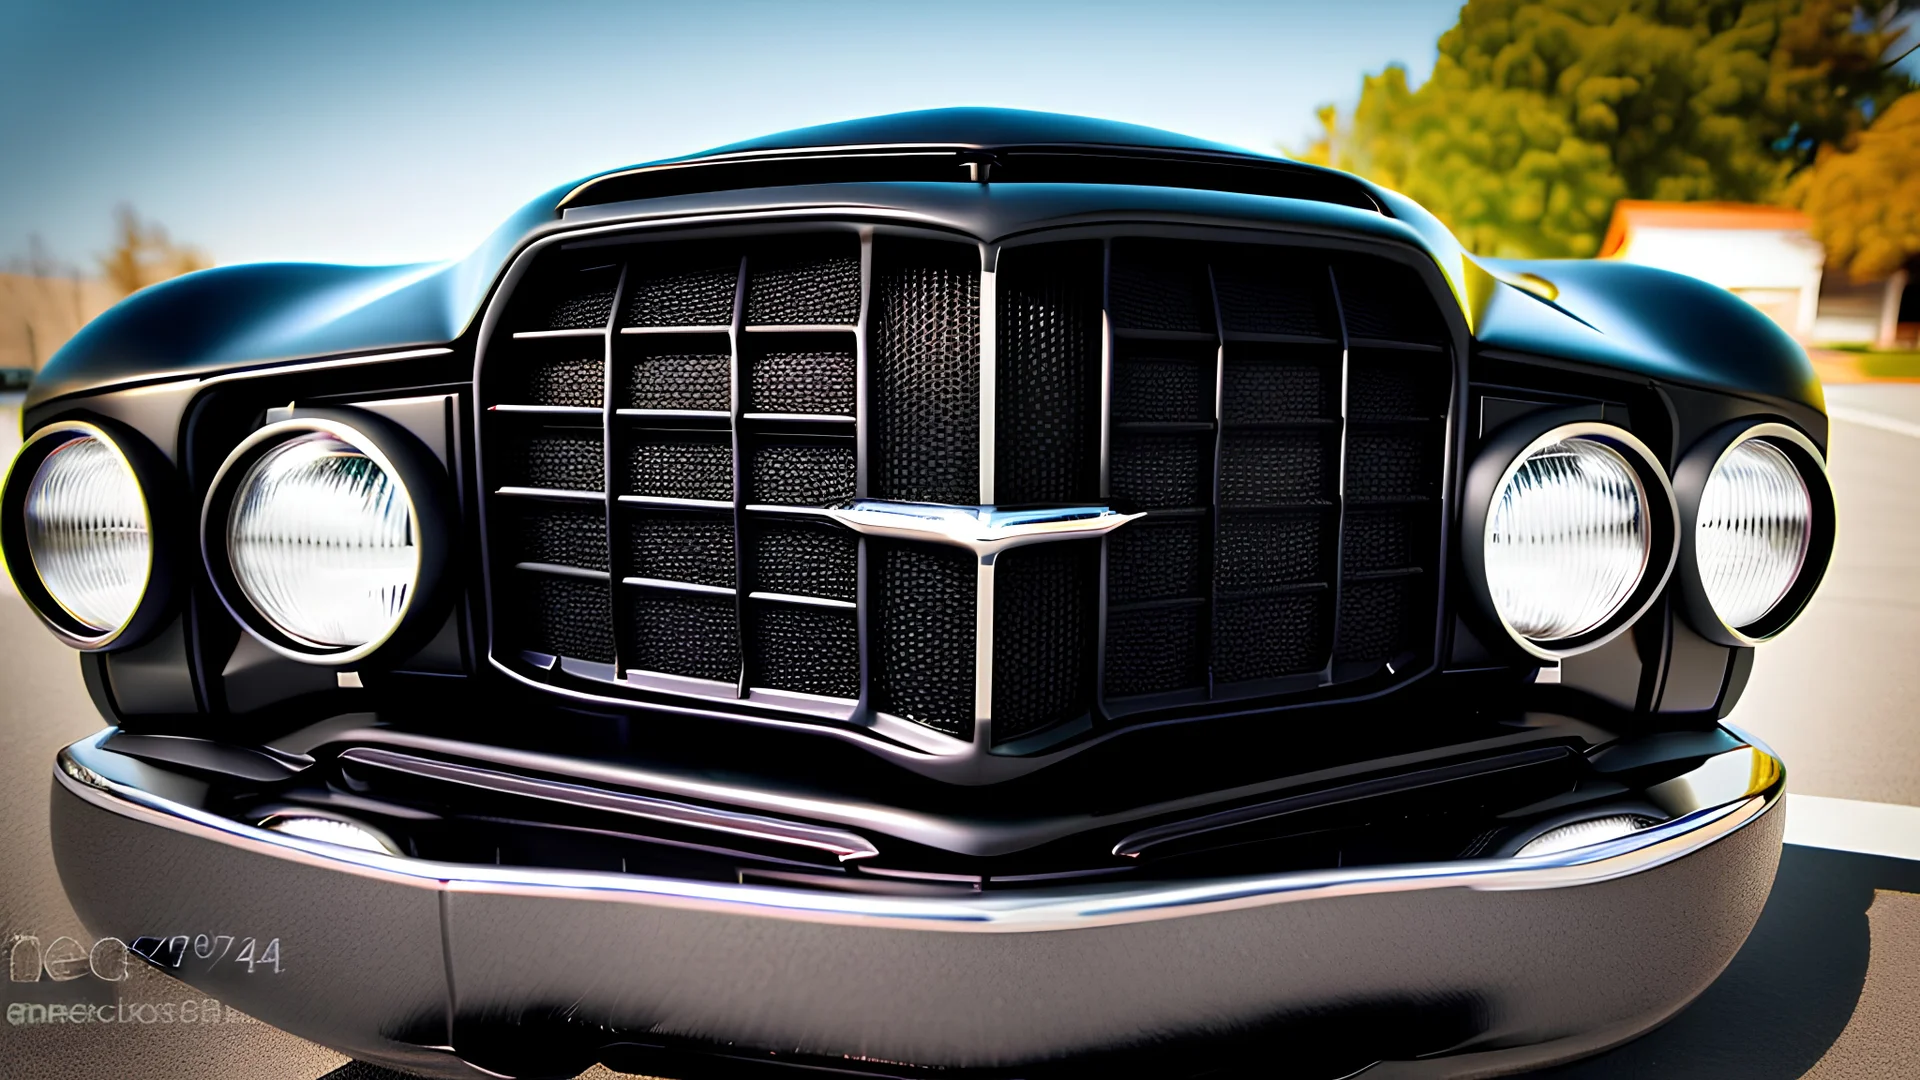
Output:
x,y
668,427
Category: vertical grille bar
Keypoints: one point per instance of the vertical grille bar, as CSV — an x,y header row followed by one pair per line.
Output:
x,y
1340,500
863,472
1104,469
1211,618
610,505
736,407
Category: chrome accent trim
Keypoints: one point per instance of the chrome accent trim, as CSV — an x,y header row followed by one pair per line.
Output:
x,y
677,586
660,414
667,502
989,353
797,418
795,598
983,651
549,493
547,410
843,845
1064,908
984,530
562,570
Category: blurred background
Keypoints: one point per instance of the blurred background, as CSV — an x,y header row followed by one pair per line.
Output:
x,y
1771,147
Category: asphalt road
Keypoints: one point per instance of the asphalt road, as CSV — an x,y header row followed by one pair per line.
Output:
x,y
1835,696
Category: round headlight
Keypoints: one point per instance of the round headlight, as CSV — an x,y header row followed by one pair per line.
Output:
x,y
1751,532
1575,527
1760,530
318,539
321,541
1567,540
88,533
80,535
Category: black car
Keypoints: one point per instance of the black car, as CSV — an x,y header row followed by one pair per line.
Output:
x,y
962,590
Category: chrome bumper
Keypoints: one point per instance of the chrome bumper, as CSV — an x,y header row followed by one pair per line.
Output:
x,y
1441,969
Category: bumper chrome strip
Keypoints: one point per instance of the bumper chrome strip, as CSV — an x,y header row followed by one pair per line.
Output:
x,y
1733,805
843,845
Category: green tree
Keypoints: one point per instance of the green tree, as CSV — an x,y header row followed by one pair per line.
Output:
x,y
1864,197
143,254
1540,114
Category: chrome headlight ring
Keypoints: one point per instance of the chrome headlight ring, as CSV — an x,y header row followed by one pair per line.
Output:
x,y
1494,468
1690,480
409,474
155,580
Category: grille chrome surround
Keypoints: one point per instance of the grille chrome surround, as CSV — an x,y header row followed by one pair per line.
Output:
x,y
758,479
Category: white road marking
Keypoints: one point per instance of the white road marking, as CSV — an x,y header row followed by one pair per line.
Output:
x,y
1875,420
1867,828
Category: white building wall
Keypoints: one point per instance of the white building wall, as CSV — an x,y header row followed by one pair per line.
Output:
x,y
1778,270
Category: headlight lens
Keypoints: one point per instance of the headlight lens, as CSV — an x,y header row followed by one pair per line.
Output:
x,y
1568,538
1751,536
88,533
323,543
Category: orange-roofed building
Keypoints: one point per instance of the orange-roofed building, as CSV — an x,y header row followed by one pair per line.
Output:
x,y
1765,254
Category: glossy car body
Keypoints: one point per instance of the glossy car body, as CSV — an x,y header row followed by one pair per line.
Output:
x,y
599,850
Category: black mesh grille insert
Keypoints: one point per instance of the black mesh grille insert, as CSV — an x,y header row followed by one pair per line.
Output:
x,y
558,459
571,299
1234,579
1157,286
563,371
1266,468
1154,471
1291,493
673,286
802,380
1046,428
1386,538
1159,558
925,632
816,473
1265,295
925,344
679,467
1394,463
1268,637
680,546
1157,649
812,281
809,650
1382,617
1042,636
1269,384
678,373
804,558
683,634
563,536
1373,296
1265,550
1392,384
563,616
1163,382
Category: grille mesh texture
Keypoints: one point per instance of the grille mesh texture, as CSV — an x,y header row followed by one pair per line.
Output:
x,y
926,366
1278,414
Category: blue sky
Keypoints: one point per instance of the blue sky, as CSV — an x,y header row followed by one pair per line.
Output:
x,y
393,131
